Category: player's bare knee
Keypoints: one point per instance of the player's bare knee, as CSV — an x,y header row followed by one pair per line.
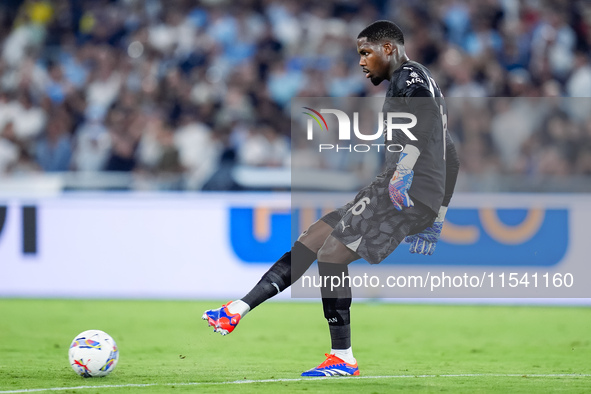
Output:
x,y
332,251
333,255
311,241
315,236
324,255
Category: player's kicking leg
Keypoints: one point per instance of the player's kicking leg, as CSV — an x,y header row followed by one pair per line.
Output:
x,y
333,260
288,269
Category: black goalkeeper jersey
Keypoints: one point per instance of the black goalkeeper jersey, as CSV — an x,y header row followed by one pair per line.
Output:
x,y
413,90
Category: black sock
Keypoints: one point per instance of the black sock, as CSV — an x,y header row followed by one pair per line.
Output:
x,y
289,268
336,302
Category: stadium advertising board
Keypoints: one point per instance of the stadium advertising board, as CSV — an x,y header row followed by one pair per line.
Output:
x,y
174,246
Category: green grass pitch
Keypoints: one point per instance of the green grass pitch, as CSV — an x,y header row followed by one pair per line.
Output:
x,y
165,346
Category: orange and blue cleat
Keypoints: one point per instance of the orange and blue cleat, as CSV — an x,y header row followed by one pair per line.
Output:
x,y
333,366
221,319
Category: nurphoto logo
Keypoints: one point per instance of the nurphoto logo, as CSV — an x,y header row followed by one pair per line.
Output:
x,y
391,122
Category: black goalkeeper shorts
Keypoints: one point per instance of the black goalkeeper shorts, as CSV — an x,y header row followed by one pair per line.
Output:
x,y
370,225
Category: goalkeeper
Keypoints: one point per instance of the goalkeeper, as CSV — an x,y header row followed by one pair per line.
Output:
x,y
407,201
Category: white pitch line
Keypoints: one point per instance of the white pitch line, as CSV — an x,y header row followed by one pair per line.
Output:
x,y
341,379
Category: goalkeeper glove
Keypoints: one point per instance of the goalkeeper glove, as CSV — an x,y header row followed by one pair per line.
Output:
x,y
402,178
398,187
425,241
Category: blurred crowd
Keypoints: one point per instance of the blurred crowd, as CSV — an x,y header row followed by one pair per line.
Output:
x,y
180,91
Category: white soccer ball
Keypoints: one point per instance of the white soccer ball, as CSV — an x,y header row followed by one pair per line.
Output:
x,y
93,353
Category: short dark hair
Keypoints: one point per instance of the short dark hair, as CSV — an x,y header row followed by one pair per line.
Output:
x,y
380,30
